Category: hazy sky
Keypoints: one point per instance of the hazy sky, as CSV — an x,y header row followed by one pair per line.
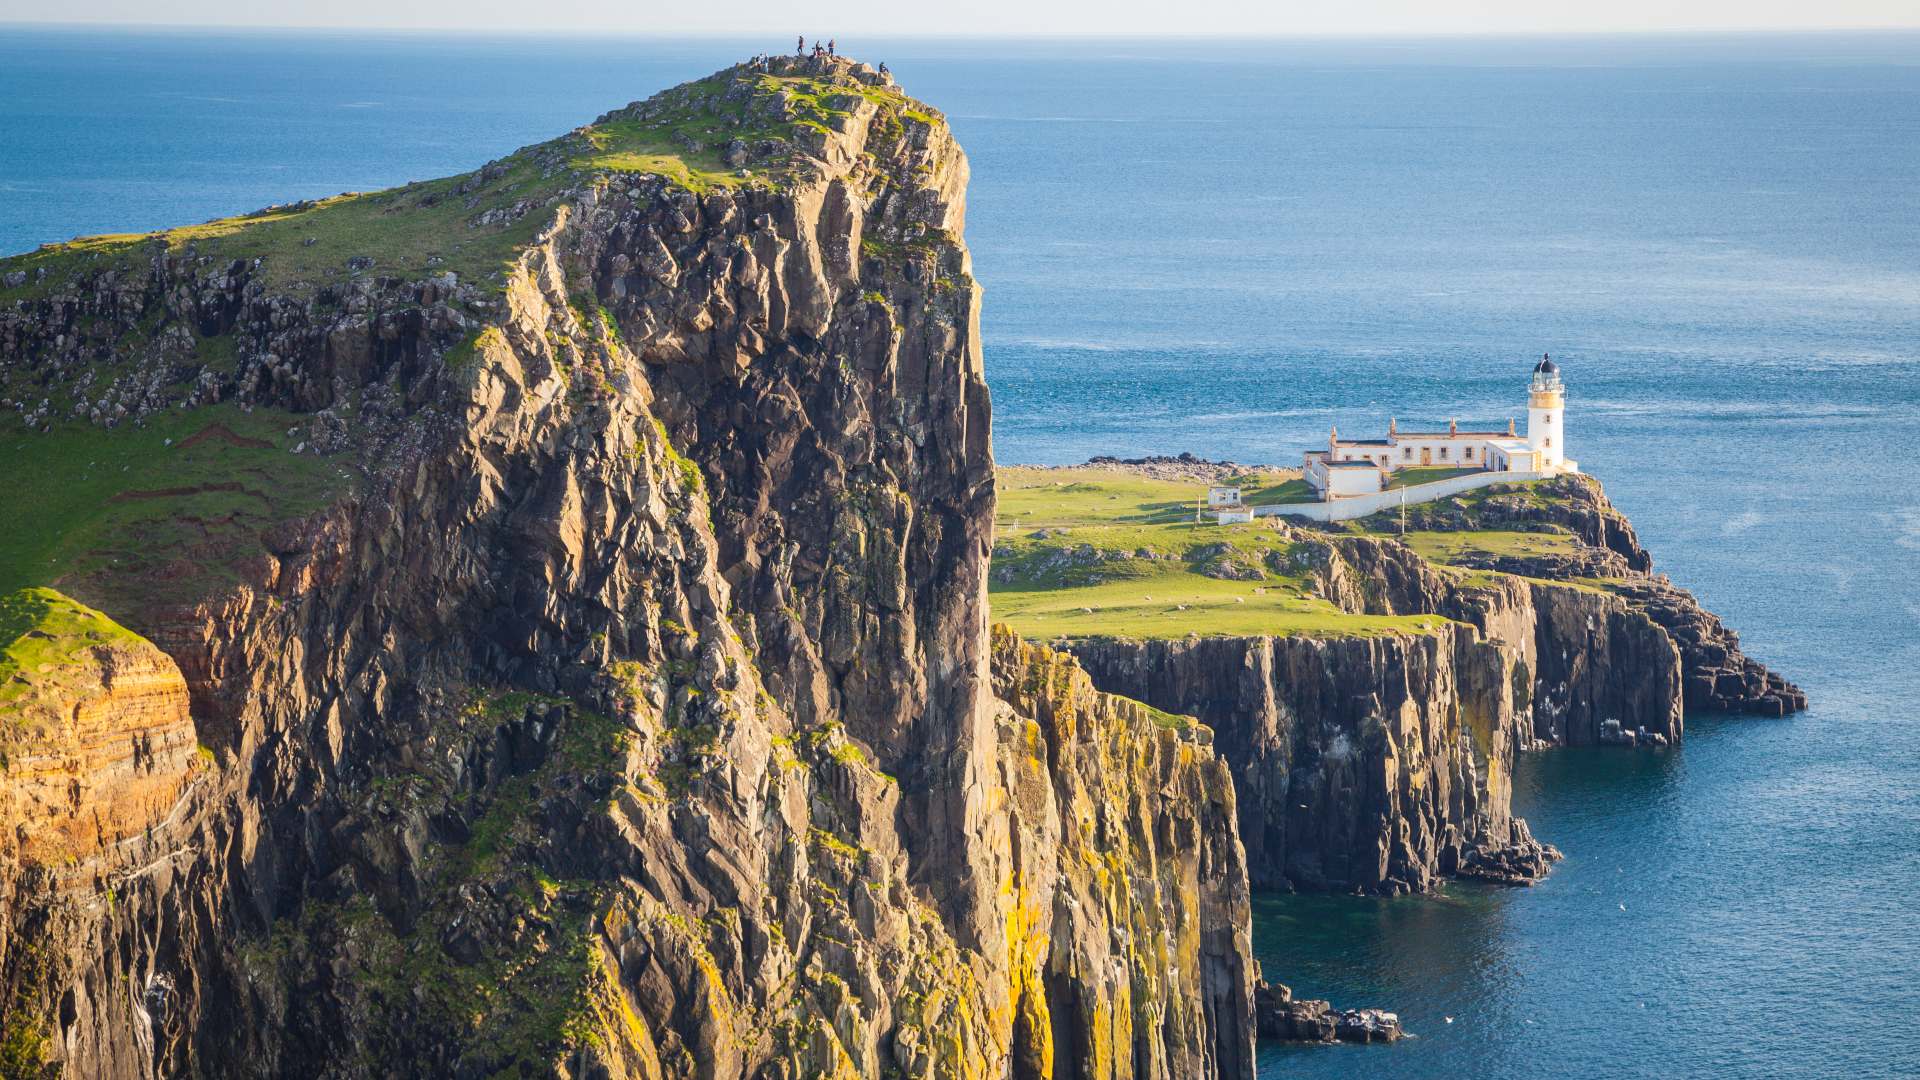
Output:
x,y
1083,17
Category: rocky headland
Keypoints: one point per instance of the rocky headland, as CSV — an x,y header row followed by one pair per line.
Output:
x,y
1372,722
536,622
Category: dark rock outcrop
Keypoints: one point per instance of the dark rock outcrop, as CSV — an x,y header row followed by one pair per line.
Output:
x,y
1285,1018
1718,676
1378,764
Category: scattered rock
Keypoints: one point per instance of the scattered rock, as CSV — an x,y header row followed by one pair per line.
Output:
x,y
1283,1018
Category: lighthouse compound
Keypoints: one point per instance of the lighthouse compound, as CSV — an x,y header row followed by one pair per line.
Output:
x,y
1349,468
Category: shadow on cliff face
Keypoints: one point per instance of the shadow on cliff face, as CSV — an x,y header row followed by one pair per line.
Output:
x,y
628,711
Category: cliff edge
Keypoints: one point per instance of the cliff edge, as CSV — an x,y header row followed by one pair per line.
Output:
x,y
1370,683
575,571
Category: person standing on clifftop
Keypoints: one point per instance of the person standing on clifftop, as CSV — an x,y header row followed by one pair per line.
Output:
x,y
800,45
829,46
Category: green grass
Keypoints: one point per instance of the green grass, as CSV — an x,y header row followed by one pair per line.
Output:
x,y
688,132
418,230
1453,547
632,146
1270,488
1176,604
43,635
1088,553
1421,474
1033,498
153,508
430,228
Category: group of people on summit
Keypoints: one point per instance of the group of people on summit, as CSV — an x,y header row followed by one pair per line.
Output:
x,y
763,61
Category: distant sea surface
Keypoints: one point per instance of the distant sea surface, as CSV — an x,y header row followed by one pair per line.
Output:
x,y
1227,247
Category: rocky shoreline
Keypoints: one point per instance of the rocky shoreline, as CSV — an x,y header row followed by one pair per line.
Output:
x,y
624,703
1384,764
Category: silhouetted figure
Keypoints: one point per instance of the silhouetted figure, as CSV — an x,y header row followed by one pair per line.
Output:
x,y
829,46
883,68
800,45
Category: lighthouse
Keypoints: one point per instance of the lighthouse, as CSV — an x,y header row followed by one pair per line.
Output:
x,y
1546,400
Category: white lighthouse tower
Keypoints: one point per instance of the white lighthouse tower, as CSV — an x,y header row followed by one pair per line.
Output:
x,y
1546,401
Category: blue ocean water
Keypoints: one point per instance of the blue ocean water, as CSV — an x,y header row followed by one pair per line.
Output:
x,y
1225,247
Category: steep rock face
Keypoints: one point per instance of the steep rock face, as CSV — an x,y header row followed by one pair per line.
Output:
x,y
1580,657
1718,676
627,710
99,778
1374,764
1382,764
1152,979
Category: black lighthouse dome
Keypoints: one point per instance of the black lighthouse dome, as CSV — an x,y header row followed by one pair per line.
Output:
x,y
1546,366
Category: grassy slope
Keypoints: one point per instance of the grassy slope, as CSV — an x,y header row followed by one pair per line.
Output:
x,y
684,140
68,503
154,507
1452,547
430,228
1421,474
1049,586
417,230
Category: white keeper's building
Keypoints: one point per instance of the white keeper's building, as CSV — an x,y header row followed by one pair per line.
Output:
x,y
1364,466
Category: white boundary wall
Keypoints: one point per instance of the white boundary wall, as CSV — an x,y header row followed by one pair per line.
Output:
x,y
1359,506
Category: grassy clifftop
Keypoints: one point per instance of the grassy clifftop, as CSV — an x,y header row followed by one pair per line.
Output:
x,y
170,497
1103,551
743,126
41,635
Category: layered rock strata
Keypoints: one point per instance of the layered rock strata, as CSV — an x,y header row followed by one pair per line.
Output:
x,y
101,790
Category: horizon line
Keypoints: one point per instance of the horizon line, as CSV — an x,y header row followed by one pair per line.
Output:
x,y
1028,35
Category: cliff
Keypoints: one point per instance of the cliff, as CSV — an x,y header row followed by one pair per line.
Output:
x,y
1379,763
1370,688
1109,790
1718,677
577,573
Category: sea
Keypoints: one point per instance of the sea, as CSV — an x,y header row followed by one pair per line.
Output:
x,y
1226,247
